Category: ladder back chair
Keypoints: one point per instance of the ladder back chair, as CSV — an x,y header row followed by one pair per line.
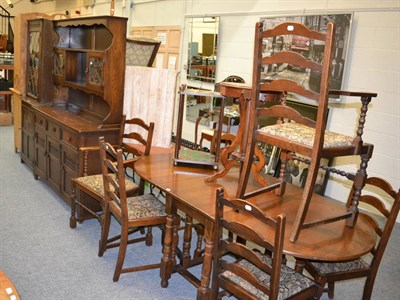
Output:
x,y
247,273
135,139
330,272
88,187
296,135
132,213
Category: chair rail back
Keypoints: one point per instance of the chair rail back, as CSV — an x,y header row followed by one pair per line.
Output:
x,y
236,248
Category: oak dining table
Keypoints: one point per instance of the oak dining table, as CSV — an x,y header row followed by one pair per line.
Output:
x,y
187,190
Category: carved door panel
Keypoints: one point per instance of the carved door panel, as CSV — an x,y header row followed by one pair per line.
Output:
x,y
69,169
53,163
27,137
40,153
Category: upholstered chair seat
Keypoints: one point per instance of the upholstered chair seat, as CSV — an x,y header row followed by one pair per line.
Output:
x,y
304,135
326,268
145,206
95,183
290,283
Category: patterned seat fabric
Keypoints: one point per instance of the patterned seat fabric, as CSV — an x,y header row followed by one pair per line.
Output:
x,y
290,283
303,134
145,206
95,183
327,268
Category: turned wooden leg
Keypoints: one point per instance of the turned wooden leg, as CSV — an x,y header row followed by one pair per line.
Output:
x,y
359,183
204,291
72,219
187,238
166,260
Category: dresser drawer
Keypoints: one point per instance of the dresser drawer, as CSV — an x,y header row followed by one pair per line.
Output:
x,y
40,121
28,120
54,130
70,138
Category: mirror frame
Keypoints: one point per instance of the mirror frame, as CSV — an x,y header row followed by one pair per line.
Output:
x,y
204,63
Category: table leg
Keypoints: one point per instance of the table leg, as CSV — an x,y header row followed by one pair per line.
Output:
x,y
187,238
167,259
299,267
204,291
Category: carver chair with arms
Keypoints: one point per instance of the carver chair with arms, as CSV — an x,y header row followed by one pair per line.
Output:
x,y
91,186
295,135
330,272
133,213
247,273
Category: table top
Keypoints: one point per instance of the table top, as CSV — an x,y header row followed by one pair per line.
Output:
x,y
7,289
330,242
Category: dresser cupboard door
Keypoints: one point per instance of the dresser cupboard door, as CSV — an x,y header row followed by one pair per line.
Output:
x,y
94,79
40,153
53,163
27,137
69,169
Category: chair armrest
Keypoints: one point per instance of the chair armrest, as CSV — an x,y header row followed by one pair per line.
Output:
x,y
352,93
365,100
83,156
131,162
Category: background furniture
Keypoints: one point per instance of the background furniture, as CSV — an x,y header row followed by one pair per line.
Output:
x,y
6,84
330,272
75,98
187,191
141,51
131,212
251,274
192,156
168,53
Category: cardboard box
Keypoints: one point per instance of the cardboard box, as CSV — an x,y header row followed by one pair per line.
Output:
x,y
5,118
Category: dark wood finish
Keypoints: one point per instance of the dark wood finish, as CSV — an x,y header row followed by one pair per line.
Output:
x,y
234,153
93,51
149,211
140,133
376,201
27,135
239,248
80,101
39,80
188,191
135,136
276,90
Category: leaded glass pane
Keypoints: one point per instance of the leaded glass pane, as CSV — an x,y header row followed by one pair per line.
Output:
x,y
58,64
95,70
33,63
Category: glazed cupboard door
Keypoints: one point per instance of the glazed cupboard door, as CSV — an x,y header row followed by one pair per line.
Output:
x,y
94,79
40,49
